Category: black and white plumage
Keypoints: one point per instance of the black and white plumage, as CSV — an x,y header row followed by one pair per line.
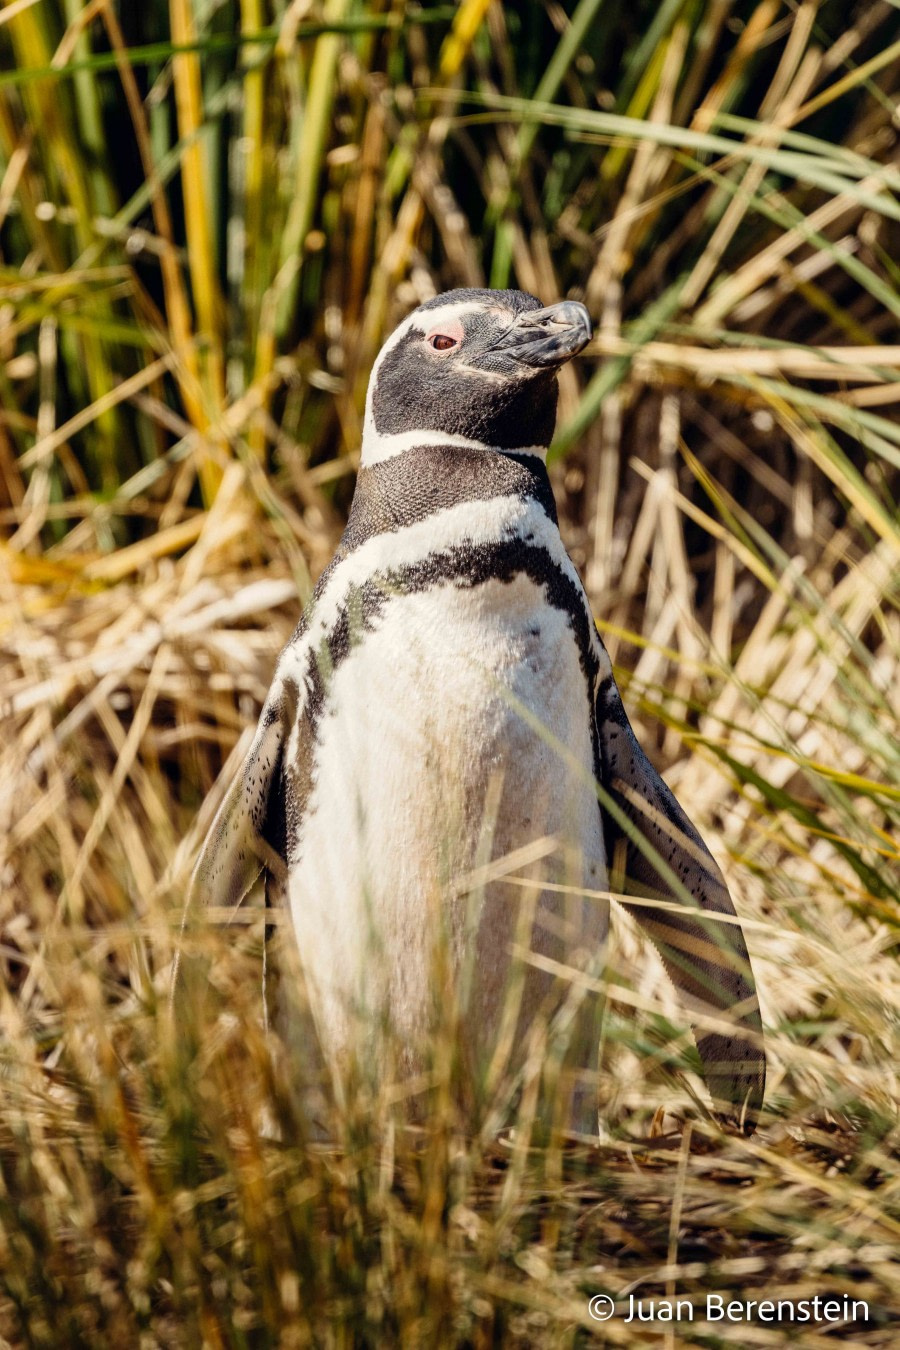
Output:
x,y
447,693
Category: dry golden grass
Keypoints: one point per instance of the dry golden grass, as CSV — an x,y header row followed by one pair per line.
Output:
x,y
181,382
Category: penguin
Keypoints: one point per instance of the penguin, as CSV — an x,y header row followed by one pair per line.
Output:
x,y
445,704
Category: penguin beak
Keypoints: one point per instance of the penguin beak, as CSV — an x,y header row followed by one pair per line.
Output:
x,y
548,337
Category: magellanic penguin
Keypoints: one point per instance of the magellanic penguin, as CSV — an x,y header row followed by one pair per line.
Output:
x,y
446,701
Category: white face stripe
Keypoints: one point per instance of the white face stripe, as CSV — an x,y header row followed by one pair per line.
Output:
x,y
426,319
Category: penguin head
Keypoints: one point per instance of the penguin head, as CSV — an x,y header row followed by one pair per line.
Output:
x,y
472,365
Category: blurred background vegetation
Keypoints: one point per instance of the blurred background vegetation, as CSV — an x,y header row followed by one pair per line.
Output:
x,y
211,213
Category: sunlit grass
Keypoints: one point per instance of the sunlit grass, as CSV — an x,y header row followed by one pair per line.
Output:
x,y
208,222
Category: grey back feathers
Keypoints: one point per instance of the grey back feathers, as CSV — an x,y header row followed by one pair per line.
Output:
x,y
447,693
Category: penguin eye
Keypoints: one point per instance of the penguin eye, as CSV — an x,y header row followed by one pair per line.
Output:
x,y
445,338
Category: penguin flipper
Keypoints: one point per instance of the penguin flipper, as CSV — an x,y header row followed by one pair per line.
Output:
x,y
653,851
243,839
247,834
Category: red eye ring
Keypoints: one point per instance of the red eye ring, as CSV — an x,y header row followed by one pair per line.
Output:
x,y
445,336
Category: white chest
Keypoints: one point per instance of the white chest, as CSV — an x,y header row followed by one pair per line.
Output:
x,y
456,732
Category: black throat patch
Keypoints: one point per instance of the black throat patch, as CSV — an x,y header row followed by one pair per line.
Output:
x,y
409,487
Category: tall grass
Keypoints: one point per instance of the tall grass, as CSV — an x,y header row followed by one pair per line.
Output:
x,y
210,215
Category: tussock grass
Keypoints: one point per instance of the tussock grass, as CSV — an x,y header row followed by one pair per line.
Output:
x,y
209,218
